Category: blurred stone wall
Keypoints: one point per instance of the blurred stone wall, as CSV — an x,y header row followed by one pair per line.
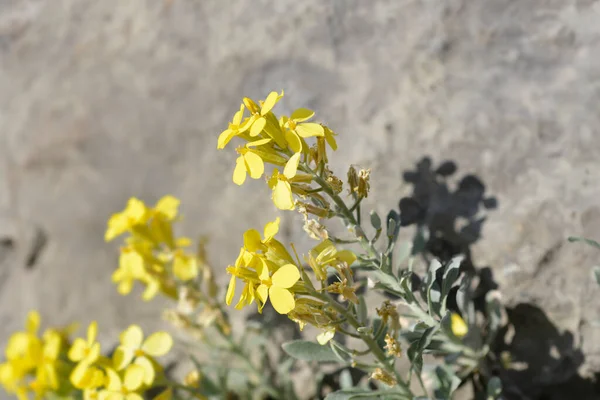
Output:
x,y
103,100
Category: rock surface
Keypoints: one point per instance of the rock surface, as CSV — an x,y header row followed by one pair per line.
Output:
x,y
103,100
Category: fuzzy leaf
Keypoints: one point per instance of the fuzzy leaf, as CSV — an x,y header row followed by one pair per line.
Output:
x,y
309,351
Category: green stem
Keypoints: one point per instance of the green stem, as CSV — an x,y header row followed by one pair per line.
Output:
x,y
366,338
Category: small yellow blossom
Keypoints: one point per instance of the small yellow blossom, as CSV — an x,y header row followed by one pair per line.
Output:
x,y
258,119
135,213
392,346
248,163
458,325
134,350
236,128
88,350
125,387
281,184
277,287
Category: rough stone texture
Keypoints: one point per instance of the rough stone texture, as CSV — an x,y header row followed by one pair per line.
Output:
x,y
102,100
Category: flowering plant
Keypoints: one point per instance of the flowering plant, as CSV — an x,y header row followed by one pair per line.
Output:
x,y
364,298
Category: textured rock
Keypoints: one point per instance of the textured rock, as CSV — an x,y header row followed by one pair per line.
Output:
x,y
102,100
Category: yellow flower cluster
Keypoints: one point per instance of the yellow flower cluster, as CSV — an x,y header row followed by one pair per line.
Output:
x,y
152,254
277,141
50,364
128,374
268,272
34,365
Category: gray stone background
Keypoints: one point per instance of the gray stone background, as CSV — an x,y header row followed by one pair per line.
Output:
x,y
103,100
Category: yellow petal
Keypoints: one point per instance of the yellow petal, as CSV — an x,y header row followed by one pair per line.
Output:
x,y
259,142
271,229
458,325
293,141
237,117
133,396
92,332
168,206
122,357
254,165
148,367
134,377
291,166
113,381
132,262
93,353
106,395
309,129
263,270
239,173
33,322
286,276
262,293
225,137
330,137
282,196
282,299
132,337
135,210
77,350
230,290
346,256
152,288
185,267
252,241
258,126
302,114
158,344
324,337
269,103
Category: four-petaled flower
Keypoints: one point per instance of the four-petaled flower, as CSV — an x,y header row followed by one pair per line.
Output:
x,y
282,186
277,287
135,351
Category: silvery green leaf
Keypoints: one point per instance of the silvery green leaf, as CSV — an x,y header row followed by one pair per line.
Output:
x,y
596,271
415,351
361,310
420,240
309,351
346,381
447,382
494,388
388,281
375,220
588,241
450,276
342,352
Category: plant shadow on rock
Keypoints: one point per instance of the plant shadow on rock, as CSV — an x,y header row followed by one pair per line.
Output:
x,y
544,360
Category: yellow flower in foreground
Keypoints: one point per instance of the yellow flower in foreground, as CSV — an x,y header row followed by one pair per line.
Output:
x,y
458,325
88,350
122,388
135,349
119,223
236,128
185,266
248,163
258,119
281,184
277,287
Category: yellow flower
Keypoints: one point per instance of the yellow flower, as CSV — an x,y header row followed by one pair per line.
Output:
x,y
258,118
131,268
185,266
122,388
248,163
277,287
135,213
458,326
86,376
236,128
325,254
281,184
88,350
295,129
135,349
